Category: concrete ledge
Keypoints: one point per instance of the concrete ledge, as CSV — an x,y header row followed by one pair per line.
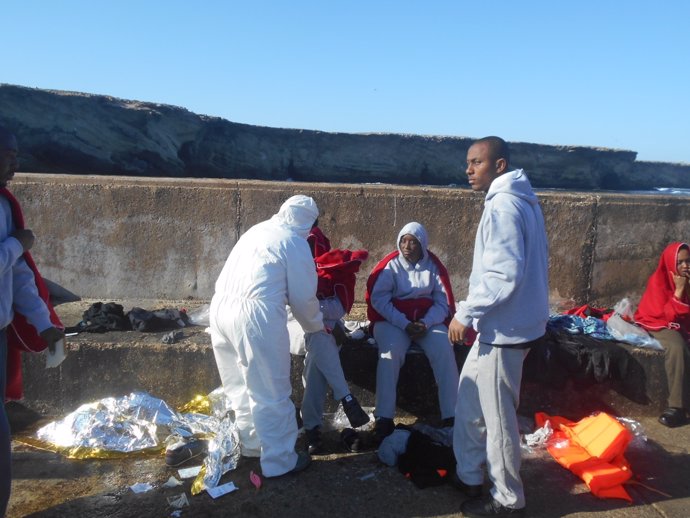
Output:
x,y
117,363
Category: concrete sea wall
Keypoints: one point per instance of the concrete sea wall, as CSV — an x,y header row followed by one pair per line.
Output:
x,y
108,237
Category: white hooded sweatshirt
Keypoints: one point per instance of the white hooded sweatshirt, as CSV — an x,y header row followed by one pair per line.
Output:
x,y
401,279
508,299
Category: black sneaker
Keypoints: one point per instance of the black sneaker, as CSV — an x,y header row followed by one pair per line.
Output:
x,y
314,442
490,507
354,412
383,427
468,490
351,440
179,454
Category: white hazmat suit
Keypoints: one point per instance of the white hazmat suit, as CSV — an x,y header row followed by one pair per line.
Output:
x,y
269,268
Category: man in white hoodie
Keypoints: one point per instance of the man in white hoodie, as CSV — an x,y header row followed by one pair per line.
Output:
x,y
507,304
269,268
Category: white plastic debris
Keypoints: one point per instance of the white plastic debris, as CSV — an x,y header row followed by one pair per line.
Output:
x,y
539,438
141,487
189,472
178,501
172,482
53,359
221,490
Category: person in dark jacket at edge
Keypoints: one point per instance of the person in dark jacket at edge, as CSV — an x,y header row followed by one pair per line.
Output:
x,y
27,320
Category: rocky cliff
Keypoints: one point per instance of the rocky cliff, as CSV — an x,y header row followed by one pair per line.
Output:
x,y
94,134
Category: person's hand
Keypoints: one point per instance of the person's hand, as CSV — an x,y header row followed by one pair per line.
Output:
x,y
456,332
681,283
25,237
51,336
415,329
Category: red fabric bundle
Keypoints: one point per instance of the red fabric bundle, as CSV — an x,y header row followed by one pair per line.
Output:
x,y
336,271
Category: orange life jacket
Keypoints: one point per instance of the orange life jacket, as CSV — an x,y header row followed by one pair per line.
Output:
x,y
593,449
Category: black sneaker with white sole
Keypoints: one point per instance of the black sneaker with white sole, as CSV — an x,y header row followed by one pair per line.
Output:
x,y
354,412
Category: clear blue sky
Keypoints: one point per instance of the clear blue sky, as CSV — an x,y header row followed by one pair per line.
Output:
x,y
598,73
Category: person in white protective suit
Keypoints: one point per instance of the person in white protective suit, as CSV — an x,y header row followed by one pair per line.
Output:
x,y
269,268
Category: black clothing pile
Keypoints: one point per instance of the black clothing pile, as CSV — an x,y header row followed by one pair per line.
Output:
x,y
426,462
584,359
158,320
101,318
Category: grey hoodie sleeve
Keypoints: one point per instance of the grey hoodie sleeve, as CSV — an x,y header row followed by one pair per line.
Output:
x,y
502,260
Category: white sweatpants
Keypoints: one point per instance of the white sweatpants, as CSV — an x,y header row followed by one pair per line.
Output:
x,y
393,344
486,427
322,367
252,352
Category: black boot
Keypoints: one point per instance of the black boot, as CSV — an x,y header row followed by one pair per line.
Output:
x,y
354,412
673,417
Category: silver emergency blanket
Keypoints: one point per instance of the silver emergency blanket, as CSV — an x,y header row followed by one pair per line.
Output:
x,y
125,424
140,422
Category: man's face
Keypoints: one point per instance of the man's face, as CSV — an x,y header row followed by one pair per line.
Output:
x,y
410,248
482,169
8,159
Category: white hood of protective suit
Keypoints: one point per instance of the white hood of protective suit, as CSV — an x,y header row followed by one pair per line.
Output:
x,y
298,213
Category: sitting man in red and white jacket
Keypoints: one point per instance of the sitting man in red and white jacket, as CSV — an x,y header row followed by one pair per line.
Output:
x,y
410,299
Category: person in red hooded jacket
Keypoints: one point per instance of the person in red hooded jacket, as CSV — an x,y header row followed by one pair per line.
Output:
x,y
664,311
